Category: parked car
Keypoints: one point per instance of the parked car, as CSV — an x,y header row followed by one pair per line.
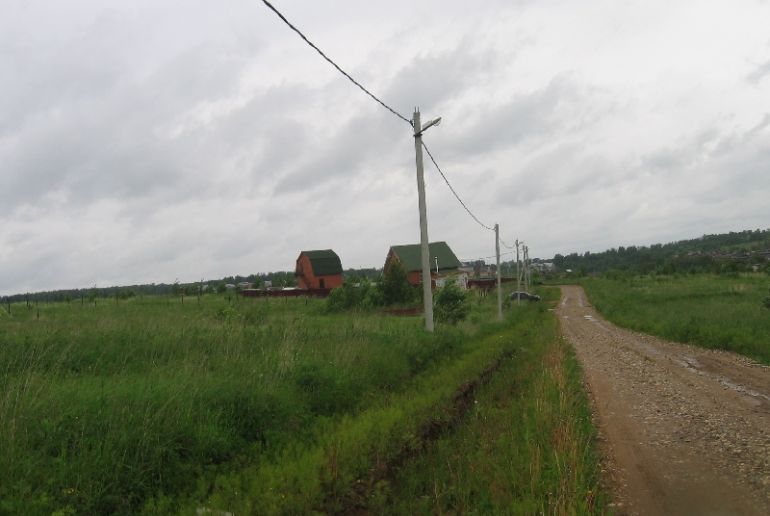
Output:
x,y
525,296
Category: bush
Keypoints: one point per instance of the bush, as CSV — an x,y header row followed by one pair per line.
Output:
x,y
337,300
395,286
451,303
372,297
352,295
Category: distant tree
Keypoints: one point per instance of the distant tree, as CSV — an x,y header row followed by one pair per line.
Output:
x,y
395,285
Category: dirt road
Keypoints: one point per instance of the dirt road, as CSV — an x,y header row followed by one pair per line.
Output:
x,y
684,430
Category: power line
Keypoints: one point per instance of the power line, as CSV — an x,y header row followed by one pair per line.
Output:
x,y
402,117
506,245
393,111
343,72
454,192
485,257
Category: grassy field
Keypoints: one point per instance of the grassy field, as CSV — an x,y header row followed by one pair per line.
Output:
x,y
722,312
524,447
150,405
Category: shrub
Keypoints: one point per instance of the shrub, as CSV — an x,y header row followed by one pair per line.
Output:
x,y
351,295
337,300
451,304
373,297
395,286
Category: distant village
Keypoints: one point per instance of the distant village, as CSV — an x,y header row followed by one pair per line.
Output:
x,y
318,271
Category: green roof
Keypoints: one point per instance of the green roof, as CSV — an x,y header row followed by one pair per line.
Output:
x,y
409,256
325,262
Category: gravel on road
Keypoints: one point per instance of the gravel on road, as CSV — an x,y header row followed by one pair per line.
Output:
x,y
683,430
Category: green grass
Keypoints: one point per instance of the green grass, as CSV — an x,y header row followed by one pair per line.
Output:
x,y
525,447
720,312
150,405
104,406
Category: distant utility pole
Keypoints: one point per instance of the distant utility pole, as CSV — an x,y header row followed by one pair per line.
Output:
x,y
427,293
499,290
518,275
526,268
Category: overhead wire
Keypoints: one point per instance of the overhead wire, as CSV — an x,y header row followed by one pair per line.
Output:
x,y
485,257
335,65
453,190
383,104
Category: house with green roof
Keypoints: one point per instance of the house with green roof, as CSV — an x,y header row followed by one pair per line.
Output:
x,y
319,269
443,262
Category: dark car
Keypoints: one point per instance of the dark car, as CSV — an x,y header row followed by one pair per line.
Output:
x,y
525,296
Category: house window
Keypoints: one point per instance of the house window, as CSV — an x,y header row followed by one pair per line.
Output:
x,y
321,283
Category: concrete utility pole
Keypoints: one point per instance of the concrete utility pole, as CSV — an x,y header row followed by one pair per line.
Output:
x,y
499,290
526,268
518,275
427,293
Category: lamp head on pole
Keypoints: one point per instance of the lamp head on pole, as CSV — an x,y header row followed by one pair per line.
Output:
x,y
431,123
435,121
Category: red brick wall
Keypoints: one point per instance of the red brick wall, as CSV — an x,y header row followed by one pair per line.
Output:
x,y
332,281
304,271
308,280
415,277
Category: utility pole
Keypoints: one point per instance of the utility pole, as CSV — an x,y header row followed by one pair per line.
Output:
x,y
518,275
526,268
427,293
529,269
499,290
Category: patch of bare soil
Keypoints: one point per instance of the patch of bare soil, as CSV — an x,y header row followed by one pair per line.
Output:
x,y
684,430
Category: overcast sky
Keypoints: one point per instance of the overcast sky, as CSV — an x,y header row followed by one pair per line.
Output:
x,y
144,141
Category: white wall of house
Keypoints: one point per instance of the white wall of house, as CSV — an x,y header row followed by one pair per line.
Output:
x,y
461,279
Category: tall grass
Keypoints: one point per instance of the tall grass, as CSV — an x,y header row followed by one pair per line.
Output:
x,y
721,312
525,447
106,406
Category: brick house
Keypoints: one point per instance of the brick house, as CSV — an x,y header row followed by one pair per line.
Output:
x,y
440,256
318,269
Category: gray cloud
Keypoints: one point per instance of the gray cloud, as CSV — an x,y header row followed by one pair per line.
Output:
x,y
532,116
358,144
149,141
430,80
759,73
85,113
564,170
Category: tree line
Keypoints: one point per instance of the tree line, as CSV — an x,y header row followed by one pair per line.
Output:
x,y
730,252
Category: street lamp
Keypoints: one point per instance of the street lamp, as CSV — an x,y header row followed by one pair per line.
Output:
x,y
427,293
435,121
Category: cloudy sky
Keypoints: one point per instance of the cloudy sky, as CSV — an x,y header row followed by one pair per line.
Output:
x,y
144,141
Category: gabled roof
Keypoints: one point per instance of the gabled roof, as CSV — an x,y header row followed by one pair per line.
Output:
x,y
324,262
409,256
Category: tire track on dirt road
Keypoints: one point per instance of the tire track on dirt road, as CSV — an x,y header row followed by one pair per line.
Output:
x,y
683,430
